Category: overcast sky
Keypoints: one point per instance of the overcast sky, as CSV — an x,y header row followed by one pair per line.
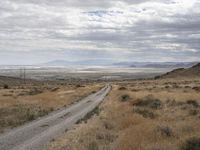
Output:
x,y
36,31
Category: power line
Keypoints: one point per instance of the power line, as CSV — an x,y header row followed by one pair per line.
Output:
x,y
23,75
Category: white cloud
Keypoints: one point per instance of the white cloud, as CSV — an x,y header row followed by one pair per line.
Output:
x,y
139,27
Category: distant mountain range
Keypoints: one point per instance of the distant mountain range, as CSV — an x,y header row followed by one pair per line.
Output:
x,y
78,63
156,64
121,64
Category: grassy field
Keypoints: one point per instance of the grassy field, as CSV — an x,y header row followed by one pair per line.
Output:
x,y
21,104
141,115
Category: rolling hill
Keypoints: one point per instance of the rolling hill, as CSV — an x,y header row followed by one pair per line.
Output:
x,y
182,72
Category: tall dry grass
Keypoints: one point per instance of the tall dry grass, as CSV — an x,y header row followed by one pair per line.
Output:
x,y
125,120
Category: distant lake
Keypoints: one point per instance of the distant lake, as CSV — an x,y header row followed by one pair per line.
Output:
x,y
86,72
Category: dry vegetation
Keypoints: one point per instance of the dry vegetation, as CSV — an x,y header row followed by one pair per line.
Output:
x,y
20,104
141,115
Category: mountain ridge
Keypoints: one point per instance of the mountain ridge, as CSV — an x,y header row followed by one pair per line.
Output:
x,y
193,71
121,64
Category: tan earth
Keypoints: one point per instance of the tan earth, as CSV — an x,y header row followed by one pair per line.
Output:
x,y
21,104
140,115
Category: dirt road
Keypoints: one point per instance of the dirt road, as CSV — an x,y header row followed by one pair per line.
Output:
x,y
35,135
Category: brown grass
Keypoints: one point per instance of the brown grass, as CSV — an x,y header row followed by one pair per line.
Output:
x,y
22,104
129,125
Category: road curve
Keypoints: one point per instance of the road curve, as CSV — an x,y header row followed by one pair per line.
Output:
x,y
35,135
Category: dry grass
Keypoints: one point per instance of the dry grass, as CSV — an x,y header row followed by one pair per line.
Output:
x,y
129,125
19,105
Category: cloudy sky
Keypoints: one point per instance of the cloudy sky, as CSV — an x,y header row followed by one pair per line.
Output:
x,y
36,31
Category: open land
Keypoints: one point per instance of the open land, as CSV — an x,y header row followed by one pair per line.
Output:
x,y
140,112
141,115
24,103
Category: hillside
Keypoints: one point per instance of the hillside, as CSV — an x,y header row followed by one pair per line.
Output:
x,y
14,81
182,72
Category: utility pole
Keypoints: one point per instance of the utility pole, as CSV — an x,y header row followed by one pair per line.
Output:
x,y
24,75
20,73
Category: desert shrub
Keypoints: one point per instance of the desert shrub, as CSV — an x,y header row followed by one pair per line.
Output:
x,y
165,131
35,91
55,89
135,90
193,112
7,95
193,103
99,136
109,137
149,101
125,98
108,125
78,86
176,86
51,109
53,140
93,146
30,115
174,103
167,86
144,112
106,136
187,87
43,112
5,86
191,144
196,89
122,88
